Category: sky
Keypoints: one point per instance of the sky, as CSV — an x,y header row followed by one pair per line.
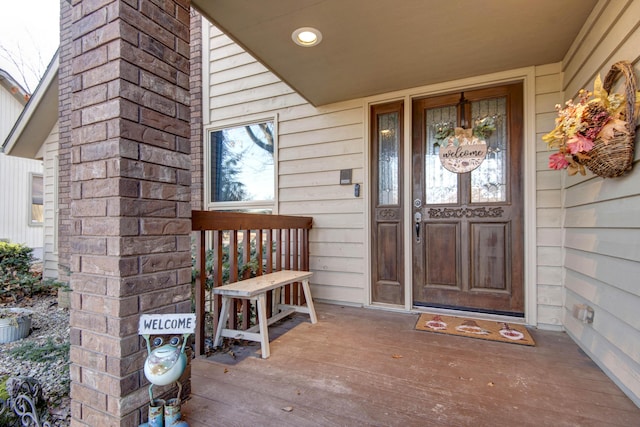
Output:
x,y
29,33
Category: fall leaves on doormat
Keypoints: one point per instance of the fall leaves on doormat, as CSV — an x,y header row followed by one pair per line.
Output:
x,y
475,328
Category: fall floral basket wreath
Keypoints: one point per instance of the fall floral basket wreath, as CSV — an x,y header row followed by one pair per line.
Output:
x,y
598,131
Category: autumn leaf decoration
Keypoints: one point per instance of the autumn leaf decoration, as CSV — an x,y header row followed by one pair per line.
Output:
x,y
595,115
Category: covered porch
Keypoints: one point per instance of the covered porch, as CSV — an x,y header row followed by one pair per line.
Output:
x,y
360,366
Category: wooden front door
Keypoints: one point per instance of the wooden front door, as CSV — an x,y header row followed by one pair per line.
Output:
x,y
468,227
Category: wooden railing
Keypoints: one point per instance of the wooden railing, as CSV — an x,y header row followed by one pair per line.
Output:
x,y
261,244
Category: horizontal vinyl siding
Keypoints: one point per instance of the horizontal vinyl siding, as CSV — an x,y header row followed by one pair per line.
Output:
x,y
602,216
15,209
50,262
314,144
15,178
549,203
10,109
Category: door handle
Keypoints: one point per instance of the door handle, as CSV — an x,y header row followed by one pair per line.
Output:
x,y
418,220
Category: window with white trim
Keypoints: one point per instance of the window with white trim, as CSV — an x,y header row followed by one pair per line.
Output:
x,y
37,200
241,171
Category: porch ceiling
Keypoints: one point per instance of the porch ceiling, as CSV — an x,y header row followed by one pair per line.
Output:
x,y
377,46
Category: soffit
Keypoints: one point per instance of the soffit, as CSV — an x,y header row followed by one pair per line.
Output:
x,y
377,46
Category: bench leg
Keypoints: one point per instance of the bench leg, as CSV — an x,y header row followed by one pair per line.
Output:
x,y
222,322
307,296
264,326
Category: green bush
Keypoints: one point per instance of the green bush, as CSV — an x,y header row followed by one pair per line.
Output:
x,y
15,258
16,278
244,269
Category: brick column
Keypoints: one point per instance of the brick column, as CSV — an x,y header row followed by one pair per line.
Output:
x,y
130,195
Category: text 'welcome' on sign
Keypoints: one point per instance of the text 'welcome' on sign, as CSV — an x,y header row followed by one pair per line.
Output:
x,y
163,324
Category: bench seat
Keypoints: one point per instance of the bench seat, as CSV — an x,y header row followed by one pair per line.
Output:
x,y
255,289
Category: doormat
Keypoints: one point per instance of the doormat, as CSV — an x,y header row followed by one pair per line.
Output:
x,y
475,328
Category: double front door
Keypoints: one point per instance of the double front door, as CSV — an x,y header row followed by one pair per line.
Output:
x,y
466,228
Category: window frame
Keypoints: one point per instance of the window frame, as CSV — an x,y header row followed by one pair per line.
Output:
x,y
252,205
31,221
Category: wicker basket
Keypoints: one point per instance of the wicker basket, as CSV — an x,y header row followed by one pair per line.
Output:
x,y
614,157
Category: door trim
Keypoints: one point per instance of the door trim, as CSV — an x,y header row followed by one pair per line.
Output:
x,y
527,76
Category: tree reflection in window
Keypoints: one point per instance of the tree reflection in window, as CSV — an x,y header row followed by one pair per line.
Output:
x,y
242,166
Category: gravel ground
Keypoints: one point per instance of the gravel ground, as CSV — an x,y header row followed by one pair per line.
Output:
x,y
49,325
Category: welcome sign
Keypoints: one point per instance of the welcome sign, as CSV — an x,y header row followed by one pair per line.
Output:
x,y
463,158
463,152
164,324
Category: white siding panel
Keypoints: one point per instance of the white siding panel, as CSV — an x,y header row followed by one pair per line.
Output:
x,y
337,264
350,161
621,213
550,295
10,109
602,221
549,236
313,179
549,218
548,179
250,94
338,220
550,316
338,235
313,145
346,250
229,62
341,279
15,209
599,190
549,199
618,243
248,82
611,359
327,192
322,121
612,272
549,202
316,207
345,133
218,81
549,256
15,177
240,112
50,261
546,84
337,295
330,149
550,276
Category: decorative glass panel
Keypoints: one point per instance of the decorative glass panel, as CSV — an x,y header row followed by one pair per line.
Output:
x,y
489,180
441,185
388,152
242,166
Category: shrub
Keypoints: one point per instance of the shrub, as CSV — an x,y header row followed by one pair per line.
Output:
x,y
15,258
16,278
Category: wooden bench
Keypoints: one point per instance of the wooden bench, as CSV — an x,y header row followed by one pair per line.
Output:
x,y
255,289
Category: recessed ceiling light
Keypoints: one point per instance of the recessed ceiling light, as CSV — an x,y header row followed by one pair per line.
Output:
x,y
306,36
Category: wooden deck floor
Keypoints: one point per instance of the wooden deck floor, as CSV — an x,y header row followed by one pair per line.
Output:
x,y
362,367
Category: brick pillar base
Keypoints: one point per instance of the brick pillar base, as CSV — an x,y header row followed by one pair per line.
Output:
x,y
130,195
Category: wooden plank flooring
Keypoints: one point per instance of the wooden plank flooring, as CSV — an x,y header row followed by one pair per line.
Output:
x,y
363,367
